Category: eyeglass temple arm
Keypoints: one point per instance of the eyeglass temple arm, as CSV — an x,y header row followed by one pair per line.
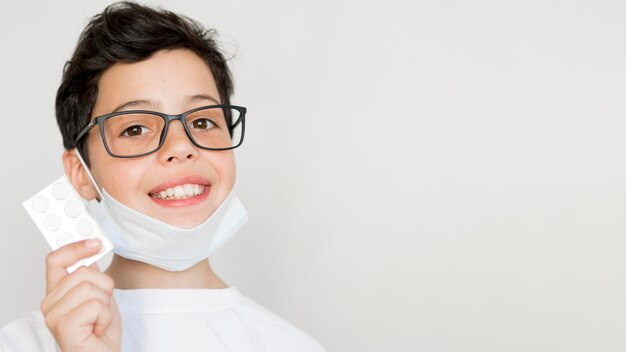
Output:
x,y
85,130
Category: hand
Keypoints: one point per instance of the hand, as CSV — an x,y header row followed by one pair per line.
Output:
x,y
79,308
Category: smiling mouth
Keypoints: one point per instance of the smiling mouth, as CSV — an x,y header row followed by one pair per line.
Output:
x,y
188,190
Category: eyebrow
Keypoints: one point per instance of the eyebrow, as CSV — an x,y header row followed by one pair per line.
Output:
x,y
138,102
154,104
201,97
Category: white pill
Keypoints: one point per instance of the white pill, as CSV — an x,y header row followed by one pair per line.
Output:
x,y
60,190
85,227
52,222
64,239
72,209
40,204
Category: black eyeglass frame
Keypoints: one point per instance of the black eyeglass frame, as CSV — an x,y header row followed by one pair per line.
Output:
x,y
168,118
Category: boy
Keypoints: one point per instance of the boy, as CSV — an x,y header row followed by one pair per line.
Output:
x,y
144,111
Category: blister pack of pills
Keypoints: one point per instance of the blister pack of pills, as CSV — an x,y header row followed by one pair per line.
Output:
x,y
60,214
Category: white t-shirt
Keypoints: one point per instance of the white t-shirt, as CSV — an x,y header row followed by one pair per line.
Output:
x,y
178,320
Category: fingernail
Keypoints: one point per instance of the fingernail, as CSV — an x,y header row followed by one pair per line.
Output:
x,y
91,243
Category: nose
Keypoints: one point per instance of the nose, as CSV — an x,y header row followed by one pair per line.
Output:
x,y
177,145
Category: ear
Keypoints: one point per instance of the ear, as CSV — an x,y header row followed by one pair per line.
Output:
x,y
77,175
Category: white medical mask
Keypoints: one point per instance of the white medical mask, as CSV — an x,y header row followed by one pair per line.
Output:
x,y
143,238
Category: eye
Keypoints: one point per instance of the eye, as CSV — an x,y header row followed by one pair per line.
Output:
x,y
202,123
134,131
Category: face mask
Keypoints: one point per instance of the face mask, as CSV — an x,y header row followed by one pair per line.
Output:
x,y
143,238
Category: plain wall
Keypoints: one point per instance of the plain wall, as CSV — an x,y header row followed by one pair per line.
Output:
x,y
420,175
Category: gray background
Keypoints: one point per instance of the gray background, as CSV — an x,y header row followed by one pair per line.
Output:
x,y
426,175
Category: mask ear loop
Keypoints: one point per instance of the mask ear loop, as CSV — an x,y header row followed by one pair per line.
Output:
x,y
93,181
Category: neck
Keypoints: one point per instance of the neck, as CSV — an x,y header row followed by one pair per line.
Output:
x,y
131,274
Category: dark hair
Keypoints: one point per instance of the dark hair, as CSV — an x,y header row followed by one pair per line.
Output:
x,y
128,32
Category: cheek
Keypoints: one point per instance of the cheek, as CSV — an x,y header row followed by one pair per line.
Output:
x,y
107,171
226,167
97,158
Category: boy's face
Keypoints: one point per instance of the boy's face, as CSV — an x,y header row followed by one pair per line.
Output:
x,y
167,82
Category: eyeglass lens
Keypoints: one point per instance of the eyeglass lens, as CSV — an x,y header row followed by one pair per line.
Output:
x,y
135,134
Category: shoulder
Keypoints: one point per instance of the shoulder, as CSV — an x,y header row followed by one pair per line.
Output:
x,y
277,333
28,333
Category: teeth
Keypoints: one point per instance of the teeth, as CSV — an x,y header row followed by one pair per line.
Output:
x,y
180,192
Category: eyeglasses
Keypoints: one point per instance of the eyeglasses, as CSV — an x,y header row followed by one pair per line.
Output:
x,y
135,133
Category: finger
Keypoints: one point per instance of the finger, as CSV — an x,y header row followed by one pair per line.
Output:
x,y
83,274
90,317
103,321
78,295
57,261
